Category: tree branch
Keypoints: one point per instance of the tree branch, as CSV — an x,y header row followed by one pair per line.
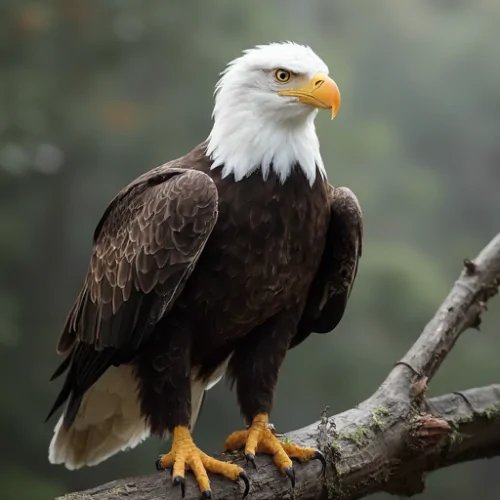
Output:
x,y
390,440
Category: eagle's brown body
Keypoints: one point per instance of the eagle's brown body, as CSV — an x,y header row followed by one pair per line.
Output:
x,y
249,287
190,271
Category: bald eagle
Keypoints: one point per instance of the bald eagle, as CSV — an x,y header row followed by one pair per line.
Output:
x,y
214,264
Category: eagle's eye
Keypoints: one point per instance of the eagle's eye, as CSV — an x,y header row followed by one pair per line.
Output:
x,y
282,75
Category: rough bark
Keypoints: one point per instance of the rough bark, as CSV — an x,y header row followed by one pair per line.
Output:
x,y
391,440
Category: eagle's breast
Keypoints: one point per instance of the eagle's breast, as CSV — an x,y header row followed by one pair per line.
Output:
x,y
262,254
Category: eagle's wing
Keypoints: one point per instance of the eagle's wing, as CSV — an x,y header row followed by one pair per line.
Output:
x,y
332,285
145,247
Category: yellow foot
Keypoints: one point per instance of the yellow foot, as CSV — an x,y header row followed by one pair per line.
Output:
x,y
184,455
259,438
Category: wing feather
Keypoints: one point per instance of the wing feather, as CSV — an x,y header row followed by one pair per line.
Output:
x,y
332,285
145,247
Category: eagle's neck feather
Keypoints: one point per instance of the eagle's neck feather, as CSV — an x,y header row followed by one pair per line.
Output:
x,y
241,144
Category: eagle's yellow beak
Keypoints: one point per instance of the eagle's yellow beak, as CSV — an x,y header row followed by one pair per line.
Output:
x,y
320,92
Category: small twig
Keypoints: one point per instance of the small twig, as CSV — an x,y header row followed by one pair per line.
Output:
x,y
470,266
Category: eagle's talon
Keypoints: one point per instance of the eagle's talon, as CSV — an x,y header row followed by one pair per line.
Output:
x,y
179,480
290,473
185,455
250,458
259,438
243,476
158,463
317,455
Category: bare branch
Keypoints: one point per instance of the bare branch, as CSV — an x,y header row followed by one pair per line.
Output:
x,y
369,452
462,309
388,442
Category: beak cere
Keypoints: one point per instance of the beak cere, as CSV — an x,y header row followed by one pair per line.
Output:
x,y
321,92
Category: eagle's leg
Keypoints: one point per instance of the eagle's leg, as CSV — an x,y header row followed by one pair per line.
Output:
x,y
166,403
255,366
186,455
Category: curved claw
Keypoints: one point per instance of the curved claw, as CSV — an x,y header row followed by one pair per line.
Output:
x,y
207,494
180,480
158,463
250,457
243,476
290,473
317,455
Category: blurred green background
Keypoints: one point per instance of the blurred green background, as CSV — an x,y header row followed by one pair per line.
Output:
x,y
93,93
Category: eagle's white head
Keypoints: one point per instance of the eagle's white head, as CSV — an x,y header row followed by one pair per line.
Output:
x,y
265,105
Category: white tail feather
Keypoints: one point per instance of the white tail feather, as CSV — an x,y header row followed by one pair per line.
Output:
x,y
109,419
107,422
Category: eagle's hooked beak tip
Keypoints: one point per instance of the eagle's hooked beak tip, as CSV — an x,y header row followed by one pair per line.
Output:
x,y
327,91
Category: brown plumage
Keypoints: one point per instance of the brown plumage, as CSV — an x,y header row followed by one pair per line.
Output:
x,y
261,257
192,276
